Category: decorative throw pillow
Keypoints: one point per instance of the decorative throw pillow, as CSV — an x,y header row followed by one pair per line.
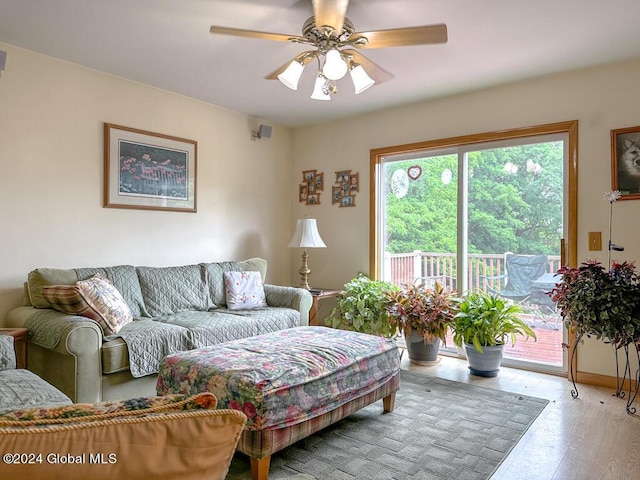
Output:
x,y
95,298
244,290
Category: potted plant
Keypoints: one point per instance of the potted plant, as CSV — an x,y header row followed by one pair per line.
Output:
x,y
594,302
362,307
483,325
424,316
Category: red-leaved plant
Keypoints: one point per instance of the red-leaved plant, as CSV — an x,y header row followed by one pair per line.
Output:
x,y
426,311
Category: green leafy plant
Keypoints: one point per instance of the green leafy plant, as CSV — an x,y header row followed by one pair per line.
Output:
x,y
598,303
484,319
426,311
362,307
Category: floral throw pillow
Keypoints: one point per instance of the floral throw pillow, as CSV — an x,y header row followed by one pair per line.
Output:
x,y
95,298
244,290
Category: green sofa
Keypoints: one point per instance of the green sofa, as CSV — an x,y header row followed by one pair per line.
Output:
x,y
173,308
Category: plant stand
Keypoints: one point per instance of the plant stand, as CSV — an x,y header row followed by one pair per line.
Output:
x,y
627,375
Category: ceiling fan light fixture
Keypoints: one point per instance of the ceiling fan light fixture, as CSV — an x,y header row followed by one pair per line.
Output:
x,y
320,90
291,76
334,65
361,80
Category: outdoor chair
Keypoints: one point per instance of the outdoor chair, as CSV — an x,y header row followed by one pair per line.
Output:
x,y
520,273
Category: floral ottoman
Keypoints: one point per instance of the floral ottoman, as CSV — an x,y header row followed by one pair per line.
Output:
x,y
289,383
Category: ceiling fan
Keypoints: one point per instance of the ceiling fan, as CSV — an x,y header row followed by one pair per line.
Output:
x,y
335,43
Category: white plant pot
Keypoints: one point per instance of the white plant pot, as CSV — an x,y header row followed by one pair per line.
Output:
x,y
487,363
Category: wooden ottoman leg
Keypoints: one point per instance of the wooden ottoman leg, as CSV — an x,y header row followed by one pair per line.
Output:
x,y
260,468
388,403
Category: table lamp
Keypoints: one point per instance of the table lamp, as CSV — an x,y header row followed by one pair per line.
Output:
x,y
306,236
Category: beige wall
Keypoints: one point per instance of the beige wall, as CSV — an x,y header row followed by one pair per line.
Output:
x,y
601,99
51,117
51,154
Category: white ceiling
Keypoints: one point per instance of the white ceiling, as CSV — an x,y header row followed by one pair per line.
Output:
x,y
167,44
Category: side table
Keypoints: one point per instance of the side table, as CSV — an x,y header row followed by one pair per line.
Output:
x,y
317,297
20,344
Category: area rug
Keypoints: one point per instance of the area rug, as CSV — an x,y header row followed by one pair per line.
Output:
x,y
439,429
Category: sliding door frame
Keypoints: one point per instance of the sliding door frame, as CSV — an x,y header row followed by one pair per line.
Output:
x,y
569,244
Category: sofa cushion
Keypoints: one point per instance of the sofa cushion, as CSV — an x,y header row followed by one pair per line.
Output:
x,y
95,298
115,356
171,290
43,277
125,279
244,290
214,273
22,388
222,325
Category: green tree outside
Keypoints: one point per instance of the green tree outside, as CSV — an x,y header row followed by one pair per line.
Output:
x,y
515,202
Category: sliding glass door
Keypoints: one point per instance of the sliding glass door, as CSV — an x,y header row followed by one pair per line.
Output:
x,y
485,216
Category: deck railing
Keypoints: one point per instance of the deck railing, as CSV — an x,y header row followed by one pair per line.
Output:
x,y
406,268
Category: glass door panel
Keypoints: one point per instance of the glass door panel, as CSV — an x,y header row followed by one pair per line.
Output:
x,y
515,224
488,217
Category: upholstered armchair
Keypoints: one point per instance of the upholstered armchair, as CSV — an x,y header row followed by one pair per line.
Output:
x,y
161,438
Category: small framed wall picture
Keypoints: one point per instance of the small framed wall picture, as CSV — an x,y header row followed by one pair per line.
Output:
x,y
311,187
625,162
344,190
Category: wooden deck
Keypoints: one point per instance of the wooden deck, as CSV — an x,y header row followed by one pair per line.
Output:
x,y
546,349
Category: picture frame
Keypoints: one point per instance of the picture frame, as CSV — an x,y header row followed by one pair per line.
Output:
x,y
342,176
336,194
348,201
354,182
304,192
625,162
311,187
149,171
313,199
347,184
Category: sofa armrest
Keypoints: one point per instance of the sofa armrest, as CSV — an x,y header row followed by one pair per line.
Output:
x,y
7,353
65,350
291,297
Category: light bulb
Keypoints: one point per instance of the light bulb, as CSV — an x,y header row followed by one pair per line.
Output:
x,y
291,75
361,81
334,66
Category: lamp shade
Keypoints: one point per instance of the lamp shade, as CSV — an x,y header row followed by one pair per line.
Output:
x,y
291,75
306,235
318,90
361,81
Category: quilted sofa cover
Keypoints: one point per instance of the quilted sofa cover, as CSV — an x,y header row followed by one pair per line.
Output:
x,y
174,308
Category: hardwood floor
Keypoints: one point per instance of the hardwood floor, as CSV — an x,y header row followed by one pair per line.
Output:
x,y
588,438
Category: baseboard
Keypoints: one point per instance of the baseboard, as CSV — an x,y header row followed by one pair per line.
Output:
x,y
602,380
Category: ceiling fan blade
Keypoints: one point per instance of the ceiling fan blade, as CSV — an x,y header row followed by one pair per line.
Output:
x,y
375,71
399,37
304,58
239,32
330,13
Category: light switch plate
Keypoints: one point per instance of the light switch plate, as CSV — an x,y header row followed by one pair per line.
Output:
x,y
595,240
